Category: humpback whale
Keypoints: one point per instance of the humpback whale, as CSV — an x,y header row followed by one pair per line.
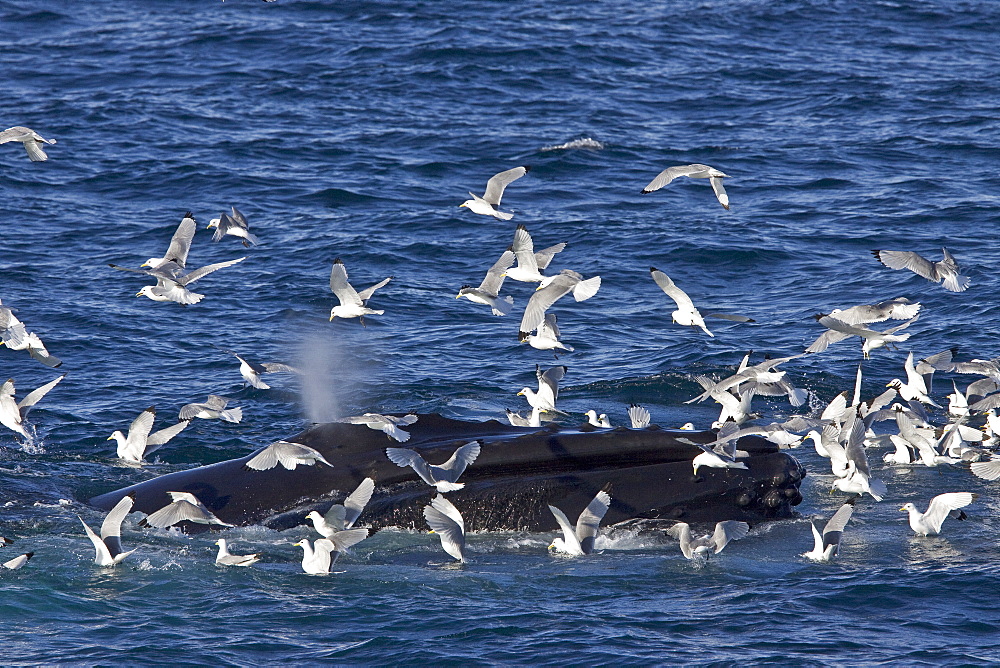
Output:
x,y
520,471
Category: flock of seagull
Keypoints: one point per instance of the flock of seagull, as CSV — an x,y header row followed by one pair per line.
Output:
x,y
842,433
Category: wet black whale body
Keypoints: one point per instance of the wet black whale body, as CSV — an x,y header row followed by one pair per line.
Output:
x,y
520,470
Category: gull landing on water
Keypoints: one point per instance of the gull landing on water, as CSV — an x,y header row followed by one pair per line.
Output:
x,y
30,139
708,544
488,203
941,508
695,171
139,443
578,541
353,304
827,545
108,546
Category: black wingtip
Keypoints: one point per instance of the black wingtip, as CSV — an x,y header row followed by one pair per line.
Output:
x,y
652,269
338,261
190,215
29,555
527,168
645,192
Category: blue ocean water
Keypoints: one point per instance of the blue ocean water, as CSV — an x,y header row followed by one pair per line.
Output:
x,y
354,130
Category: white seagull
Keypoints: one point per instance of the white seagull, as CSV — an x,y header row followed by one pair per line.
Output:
x,y
686,313
442,477
139,443
548,388
444,519
225,558
15,336
945,272
353,304
213,408
639,416
341,517
488,203
108,546
552,290
529,263
594,420
235,225
695,171
288,454
12,414
31,140
488,292
252,371
547,337
389,424
579,540
183,506
708,544
18,562
939,509
827,545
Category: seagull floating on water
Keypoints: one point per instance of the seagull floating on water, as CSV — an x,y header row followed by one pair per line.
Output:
x,y
31,140
225,558
488,203
695,171
579,540
944,272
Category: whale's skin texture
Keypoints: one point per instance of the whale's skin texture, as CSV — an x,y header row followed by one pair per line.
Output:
x,y
519,472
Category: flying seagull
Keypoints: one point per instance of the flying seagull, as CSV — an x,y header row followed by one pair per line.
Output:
x,y
288,454
235,225
529,263
139,443
488,203
551,291
945,271
15,336
12,414
443,477
214,407
252,371
547,337
389,424
183,506
353,304
548,388
488,292
695,171
30,139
